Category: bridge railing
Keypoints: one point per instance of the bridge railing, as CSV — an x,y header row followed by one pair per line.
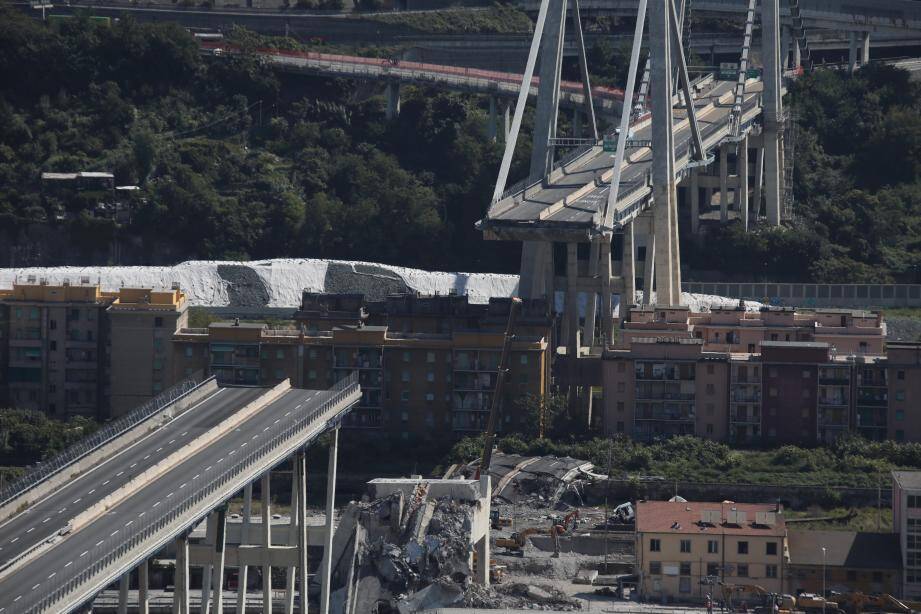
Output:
x,y
129,545
104,435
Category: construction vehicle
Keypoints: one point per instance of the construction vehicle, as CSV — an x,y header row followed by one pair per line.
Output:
x,y
857,602
816,604
765,602
501,372
568,523
516,543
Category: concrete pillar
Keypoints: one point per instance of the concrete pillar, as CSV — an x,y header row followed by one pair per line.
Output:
x,y
182,573
508,120
724,183
695,201
206,570
536,268
759,181
548,95
123,593
786,37
243,572
773,108
293,535
217,576
852,51
143,588
301,461
572,298
708,199
607,309
649,265
864,48
493,125
628,270
576,123
327,570
591,305
482,545
393,99
267,540
742,190
797,53
583,71
663,163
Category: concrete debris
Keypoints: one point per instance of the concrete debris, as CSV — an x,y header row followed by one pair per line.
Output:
x,y
521,596
537,481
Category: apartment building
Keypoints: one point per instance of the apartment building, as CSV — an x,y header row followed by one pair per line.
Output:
x,y
906,521
665,386
844,561
737,330
412,383
685,548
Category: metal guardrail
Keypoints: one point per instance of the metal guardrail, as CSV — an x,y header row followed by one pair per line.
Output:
x,y
115,554
107,433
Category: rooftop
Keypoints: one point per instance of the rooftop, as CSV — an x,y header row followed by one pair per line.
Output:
x,y
907,479
725,518
845,549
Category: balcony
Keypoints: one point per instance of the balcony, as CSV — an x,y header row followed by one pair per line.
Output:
x,y
739,417
872,401
360,418
738,397
833,401
664,416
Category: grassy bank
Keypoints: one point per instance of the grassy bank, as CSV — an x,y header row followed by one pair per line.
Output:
x,y
495,20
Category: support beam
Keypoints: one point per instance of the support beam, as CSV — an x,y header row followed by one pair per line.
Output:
x,y
536,268
182,571
663,143
797,53
685,82
217,575
393,99
123,583
695,201
301,462
583,69
267,541
724,183
628,271
772,108
210,540
864,48
508,123
742,191
548,95
576,123
852,51
245,538
293,533
144,587
759,182
649,265
492,125
327,570
572,300
591,305
607,310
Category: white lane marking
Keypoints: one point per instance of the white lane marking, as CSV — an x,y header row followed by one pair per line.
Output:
x,y
85,552
231,453
14,540
183,485
113,533
196,476
208,468
62,510
287,413
129,523
91,492
141,515
36,586
277,421
133,465
77,500
243,444
170,442
156,504
169,495
184,434
68,564
146,457
119,474
254,436
265,429
106,482
158,449
53,574
99,543
46,519
17,599
220,459
30,530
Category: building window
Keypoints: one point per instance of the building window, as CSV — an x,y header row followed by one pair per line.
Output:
x,y
770,571
621,367
279,354
312,353
404,395
806,374
914,502
311,375
770,548
279,374
684,584
655,568
158,322
710,389
522,378
430,376
430,357
751,348
742,570
655,545
620,427
900,414
405,356
709,429
743,548
620,407
621,387
685,545
900,375
709,369
713,569
684,568
713,546
404,375
524,359
899,435
899,395
404,416
188,351
429,396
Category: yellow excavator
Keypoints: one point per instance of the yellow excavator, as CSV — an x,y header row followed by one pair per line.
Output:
x,y
857,602
516,543
762,600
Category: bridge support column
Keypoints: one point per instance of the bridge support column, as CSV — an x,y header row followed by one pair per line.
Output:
x,y
724,183
181,595
571,338
852,51
301,467
492,126
786,38
143,588
742,190
797,54
628,272
293,536
864,48
591,305
548,95
507,116
327,565
267,540
576,123
759,182
649,265
393,99
123,583
243,571
536,268
695,201
667,267
206,570
773,109
217,575
607,310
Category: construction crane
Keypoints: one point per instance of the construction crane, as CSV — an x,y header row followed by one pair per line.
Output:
x,y
501,372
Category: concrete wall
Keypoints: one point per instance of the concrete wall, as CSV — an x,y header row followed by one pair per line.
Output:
x,y
815,295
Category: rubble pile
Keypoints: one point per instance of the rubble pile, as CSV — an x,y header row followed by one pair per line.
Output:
x,y
519,595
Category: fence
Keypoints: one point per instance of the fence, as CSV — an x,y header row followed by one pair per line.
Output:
x,y
117,555
814,295
107,433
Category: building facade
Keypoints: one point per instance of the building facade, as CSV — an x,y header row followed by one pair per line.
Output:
x,y
844,561
686,549
906,520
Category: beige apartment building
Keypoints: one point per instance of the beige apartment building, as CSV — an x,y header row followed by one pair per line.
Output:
x,y
684,548
906,520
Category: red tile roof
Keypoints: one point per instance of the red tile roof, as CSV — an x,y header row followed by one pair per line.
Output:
x,y
687,517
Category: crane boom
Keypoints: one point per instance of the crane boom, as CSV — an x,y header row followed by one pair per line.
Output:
x,y
496,404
